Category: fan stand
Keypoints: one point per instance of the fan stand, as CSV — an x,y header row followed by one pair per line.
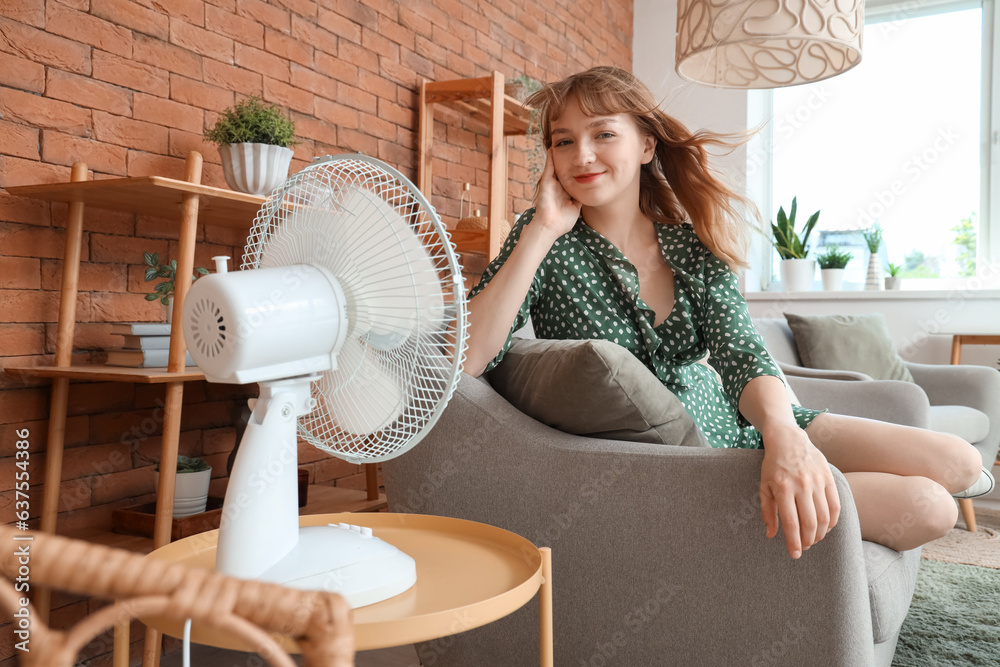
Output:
x,y
259,537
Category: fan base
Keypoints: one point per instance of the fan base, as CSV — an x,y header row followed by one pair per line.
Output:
x,y
345,559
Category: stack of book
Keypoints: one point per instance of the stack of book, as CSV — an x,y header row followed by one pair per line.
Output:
x,y
147,345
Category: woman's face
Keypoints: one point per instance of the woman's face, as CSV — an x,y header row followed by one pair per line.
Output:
x,y
597,158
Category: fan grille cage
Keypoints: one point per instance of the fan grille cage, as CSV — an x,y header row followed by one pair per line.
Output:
x,y
416,341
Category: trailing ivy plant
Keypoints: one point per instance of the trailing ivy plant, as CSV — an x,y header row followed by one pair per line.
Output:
x,y
251,121
786,241
164,290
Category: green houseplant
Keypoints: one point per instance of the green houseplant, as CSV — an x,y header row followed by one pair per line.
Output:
x,y
832,263
164,290
254,141
521,88
873,239
797,270
893,280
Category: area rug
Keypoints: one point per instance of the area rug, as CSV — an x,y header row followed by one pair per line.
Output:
x,y
981,548
954,619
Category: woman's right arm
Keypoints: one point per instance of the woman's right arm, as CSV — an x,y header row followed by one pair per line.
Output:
x,y
493,310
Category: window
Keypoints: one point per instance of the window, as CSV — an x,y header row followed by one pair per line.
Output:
x,y
903,140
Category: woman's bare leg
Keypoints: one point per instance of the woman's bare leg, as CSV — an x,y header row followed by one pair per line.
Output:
x,y
901,477
853,444
901,512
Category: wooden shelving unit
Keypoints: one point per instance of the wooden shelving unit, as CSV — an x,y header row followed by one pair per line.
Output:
x,y
484,99
188,203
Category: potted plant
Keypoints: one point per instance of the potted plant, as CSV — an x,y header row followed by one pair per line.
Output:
x,y
521,88
191,486
164,291
253,140
894,280
873,239
796,270
832,263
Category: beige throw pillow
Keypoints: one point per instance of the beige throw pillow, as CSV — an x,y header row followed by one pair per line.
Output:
x,y
594,388
859,343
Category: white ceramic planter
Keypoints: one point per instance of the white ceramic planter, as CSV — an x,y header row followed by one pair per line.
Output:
x,y
893,282
191,492
797,274
256,169
833,279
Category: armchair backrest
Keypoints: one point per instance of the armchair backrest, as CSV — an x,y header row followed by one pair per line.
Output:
x,y
778,339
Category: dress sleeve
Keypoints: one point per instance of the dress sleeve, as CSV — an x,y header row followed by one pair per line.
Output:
x,y
736,349
530,299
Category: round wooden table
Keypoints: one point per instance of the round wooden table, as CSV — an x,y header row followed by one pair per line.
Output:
x,y
468,574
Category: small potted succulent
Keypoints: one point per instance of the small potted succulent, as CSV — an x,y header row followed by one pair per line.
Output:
x,y
873,239
191,486
164,290
797,270
832,263
894,280
254,142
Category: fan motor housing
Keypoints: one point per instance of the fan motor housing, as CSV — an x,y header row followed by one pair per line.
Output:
x,y
264,324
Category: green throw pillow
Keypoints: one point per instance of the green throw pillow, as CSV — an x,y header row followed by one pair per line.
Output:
x,y
859,343
594,388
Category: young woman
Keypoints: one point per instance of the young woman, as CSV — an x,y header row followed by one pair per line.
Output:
x,y
634,240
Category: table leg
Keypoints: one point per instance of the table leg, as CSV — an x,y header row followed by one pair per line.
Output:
x,y
956,349
121,644
545,609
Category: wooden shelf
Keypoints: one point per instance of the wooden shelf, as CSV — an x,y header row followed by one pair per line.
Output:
x,y
98,373
483,99
151,195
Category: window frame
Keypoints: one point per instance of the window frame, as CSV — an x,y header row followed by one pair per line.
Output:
x,y
760,151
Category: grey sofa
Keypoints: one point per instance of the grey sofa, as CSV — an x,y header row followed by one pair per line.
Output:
x,y
659,552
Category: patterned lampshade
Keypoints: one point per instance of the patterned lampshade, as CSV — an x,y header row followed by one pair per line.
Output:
x,y
767,43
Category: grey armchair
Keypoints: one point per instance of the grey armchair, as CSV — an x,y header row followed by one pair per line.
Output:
x,y
962,400
659,552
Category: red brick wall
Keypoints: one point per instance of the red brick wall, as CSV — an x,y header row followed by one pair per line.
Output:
x,y
128,85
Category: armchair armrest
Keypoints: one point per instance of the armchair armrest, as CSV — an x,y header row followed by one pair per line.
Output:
x,y
793,370
663,546
975,386
886,400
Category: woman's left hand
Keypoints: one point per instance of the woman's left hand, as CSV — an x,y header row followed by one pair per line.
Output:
x,y
797,489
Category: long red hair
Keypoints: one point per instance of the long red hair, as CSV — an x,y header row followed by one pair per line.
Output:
x,y
678,184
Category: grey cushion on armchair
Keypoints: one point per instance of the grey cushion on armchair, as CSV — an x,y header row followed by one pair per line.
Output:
x,y
659,553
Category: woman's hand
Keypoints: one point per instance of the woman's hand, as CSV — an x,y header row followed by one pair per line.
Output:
x,y
554,208
797,489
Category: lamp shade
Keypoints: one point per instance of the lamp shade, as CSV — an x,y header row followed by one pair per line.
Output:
x,y
767,43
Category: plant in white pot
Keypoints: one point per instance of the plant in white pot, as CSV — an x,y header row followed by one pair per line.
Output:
x,y
254,142
894,280
191,486
832,263
796,270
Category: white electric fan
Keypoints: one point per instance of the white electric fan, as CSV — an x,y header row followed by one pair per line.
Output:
x,y
350,312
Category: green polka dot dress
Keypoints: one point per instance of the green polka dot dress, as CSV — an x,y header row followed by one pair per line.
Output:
x,y
586,288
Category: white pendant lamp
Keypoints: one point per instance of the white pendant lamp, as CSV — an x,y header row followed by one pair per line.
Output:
x,y
767,43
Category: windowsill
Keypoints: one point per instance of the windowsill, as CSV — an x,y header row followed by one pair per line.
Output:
x,y
876,295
